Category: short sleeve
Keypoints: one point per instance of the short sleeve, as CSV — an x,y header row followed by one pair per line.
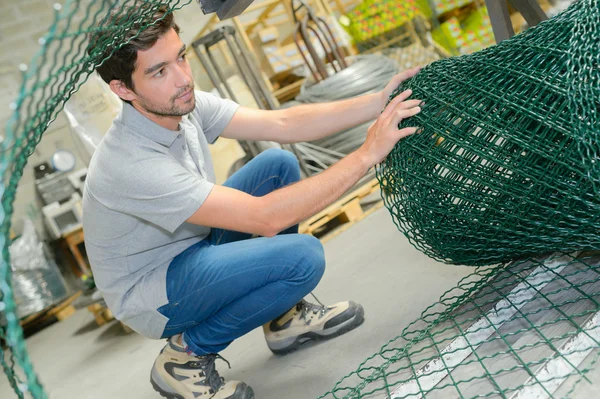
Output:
x,y
213,113
159,191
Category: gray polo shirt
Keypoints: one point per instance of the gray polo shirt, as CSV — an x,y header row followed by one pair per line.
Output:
x,y
143,183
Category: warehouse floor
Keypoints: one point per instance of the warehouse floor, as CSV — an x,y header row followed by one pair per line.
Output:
x,y
371,263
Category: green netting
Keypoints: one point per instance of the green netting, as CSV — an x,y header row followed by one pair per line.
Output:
x,y
584,92
527,330
60,67
507,163
507,166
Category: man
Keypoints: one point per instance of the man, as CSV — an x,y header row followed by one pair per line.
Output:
x,y
172,252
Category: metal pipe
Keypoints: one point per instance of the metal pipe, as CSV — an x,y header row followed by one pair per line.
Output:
x,y
311,50
247,76
269,100
218,70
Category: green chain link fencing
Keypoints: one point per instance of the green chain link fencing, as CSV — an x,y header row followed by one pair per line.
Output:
x,y
506,165
506,168
60,67
529,329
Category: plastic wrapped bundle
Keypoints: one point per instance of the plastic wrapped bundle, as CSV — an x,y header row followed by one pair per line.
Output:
x,y
508,162
37,282
37,289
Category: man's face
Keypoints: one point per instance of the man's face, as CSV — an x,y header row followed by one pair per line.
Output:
x,y
162,78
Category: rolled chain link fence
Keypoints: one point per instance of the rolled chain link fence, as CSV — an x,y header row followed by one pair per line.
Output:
x,y
506,169
506,165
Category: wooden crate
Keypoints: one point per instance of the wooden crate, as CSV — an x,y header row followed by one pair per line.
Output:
x,y
73,239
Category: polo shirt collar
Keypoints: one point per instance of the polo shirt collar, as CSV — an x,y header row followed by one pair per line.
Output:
x,y
134,120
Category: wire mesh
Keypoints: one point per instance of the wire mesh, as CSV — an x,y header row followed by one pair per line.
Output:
x,y
59,68
527,329
412,55
506,164
504,169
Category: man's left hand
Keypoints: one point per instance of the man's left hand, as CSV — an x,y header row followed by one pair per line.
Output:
x,y
395,82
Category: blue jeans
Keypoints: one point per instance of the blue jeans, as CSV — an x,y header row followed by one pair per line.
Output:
x,y
230,283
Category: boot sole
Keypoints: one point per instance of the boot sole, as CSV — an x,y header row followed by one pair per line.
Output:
x,y
359,318
164,394
246,392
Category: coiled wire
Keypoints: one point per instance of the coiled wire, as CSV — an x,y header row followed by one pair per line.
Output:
x,y
366,74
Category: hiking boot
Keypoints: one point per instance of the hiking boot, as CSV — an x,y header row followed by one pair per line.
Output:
x,y
306,321
177,375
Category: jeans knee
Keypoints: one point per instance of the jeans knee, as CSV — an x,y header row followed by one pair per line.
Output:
x,y
311,257
285,159
279,155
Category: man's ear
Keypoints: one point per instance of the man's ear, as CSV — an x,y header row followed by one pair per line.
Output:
x,y
119,88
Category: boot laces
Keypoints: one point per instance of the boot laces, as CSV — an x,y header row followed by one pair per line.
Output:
x,y
306,308
206,363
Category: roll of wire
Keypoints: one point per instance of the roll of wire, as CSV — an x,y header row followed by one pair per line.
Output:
x,y
366,74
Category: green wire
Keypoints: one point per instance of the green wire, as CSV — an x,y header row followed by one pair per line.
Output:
x,y
59,68
507,168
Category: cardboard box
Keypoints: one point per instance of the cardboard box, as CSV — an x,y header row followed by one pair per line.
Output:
x,y
269,49
276,59
289,50
282,60
269,35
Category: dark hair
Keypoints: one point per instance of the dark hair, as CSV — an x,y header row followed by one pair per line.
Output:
x,y
129,24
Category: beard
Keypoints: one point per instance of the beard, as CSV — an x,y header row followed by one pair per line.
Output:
x,y
171,108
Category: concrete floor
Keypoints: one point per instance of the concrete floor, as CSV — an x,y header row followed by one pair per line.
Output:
x,y
371,263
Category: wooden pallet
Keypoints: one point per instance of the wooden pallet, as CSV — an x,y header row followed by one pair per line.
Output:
x,y
343,213
50,315
103,315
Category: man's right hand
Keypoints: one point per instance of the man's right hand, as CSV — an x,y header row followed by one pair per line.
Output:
x,y
383,134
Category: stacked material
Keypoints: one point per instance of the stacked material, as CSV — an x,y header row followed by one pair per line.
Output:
x,y
37,282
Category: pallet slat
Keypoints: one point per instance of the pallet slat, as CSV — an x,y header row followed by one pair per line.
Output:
x,y
343,213
103,315
59,312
